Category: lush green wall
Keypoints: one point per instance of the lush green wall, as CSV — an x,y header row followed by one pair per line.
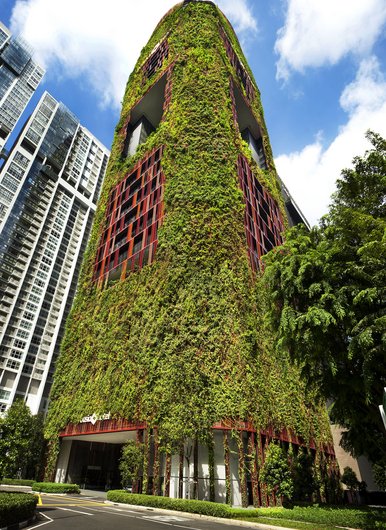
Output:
x,y
182,343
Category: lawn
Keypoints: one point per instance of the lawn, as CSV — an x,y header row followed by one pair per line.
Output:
x,y
317,517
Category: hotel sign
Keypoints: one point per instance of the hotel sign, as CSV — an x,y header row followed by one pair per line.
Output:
x,y
94,418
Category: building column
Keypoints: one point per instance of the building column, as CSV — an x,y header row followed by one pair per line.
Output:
x,y
63,461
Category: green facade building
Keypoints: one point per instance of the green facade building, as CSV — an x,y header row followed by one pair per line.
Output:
x,y
167,343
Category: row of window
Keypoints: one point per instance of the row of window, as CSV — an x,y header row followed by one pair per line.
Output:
x,y
241,72
156,59
134,213
263,220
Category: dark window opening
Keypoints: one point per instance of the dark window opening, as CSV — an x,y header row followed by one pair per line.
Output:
x,y
145,117
249,128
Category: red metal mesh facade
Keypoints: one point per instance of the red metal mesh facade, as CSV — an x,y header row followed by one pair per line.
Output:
x,y
263,220
134,213
154,62
168,89
236,63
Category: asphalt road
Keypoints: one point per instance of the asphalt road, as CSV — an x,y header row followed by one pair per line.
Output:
x,y
86,513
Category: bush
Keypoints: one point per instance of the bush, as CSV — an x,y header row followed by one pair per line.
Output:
x,y
53,487
16,507
16,482
181,505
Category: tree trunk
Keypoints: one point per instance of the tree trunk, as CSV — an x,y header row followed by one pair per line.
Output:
x,y
168,469
181,473
212,493
195,469
156,466
253,452
228,489
242,474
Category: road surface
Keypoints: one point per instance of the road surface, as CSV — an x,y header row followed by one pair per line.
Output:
x,y
90,513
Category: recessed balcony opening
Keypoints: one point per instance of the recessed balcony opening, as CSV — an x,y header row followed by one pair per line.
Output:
x,y
249,129
145,117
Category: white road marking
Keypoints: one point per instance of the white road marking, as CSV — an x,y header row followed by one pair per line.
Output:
x,y
75,511
166,518
127,513
42,524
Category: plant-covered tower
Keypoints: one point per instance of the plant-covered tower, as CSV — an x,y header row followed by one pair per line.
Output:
x,y
166,342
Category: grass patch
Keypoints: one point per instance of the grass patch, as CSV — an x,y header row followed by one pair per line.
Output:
x,y
53,487
16,507
363,518
297,525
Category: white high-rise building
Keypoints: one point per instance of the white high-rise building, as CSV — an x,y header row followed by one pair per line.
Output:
x,y
19,78
48,190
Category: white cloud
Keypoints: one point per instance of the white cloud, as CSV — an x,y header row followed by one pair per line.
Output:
x,y
239,14
100,41
320,32
310,174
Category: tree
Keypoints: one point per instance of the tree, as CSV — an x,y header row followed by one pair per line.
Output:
x,y
21,441
380,476
349,478
276,472
303,473
327,291
130,462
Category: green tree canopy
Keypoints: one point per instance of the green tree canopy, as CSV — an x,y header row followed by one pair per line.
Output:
x,y
328,301
21,442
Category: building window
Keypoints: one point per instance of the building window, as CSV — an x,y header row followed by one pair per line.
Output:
x,y
134,213
4,394
263,220
241,72
248,126
137,134
145,116
156,58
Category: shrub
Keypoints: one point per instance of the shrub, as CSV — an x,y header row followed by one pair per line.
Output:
x,y
181,505
16,482
16,507
53,487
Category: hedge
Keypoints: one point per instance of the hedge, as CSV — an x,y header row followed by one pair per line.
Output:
x,y
16,508
16,482
181,505
53,487
364,518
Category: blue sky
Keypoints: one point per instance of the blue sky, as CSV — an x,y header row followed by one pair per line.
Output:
x,y
320,67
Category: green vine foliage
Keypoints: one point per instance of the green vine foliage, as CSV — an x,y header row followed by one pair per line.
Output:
x,y
183,343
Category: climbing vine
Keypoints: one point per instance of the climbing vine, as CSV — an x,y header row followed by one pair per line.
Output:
x,y
183,343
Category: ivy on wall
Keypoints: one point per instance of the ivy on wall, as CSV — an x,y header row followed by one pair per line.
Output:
x,y
183,343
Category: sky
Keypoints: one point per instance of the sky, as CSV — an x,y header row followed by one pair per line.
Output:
x,y
320,66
